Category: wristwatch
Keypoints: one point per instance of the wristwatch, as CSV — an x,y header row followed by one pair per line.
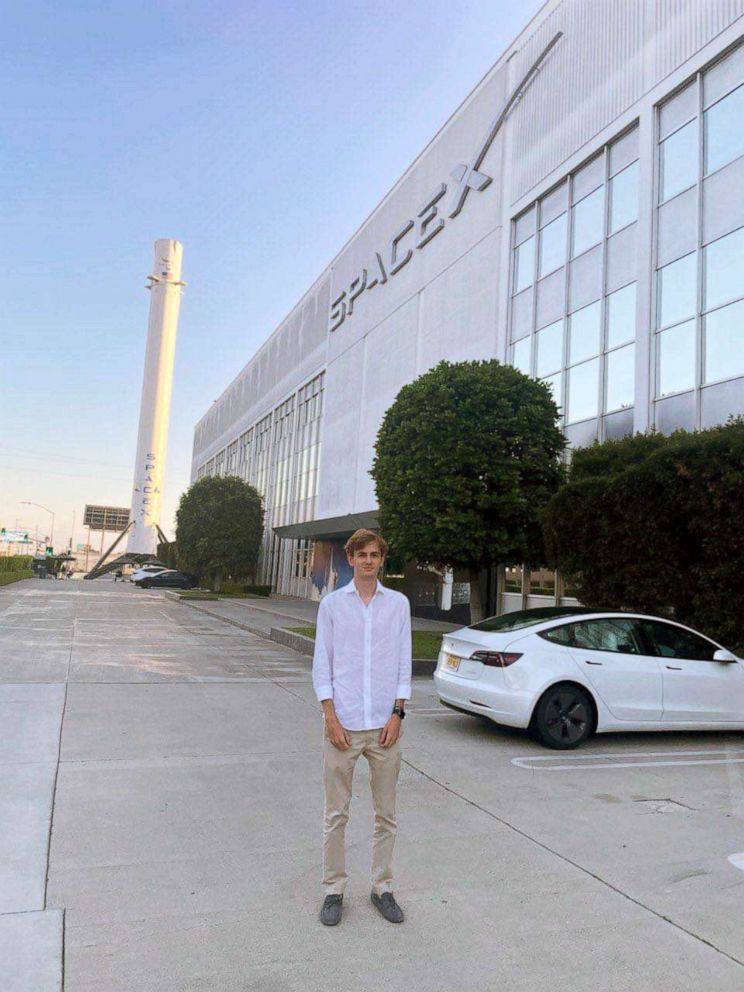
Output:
x,y
399,711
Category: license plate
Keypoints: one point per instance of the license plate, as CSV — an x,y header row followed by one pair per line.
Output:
x,y
453,662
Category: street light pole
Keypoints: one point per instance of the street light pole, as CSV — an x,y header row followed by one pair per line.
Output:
x,y
28,502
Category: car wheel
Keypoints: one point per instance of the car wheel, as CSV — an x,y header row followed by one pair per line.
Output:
x,y
563,717
144,585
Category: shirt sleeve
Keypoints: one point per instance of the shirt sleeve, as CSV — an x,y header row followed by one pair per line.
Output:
x,y
323,654
405,651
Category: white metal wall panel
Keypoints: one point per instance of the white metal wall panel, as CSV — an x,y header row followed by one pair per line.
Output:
x,y
593,74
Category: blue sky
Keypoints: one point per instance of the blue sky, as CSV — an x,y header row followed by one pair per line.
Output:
x,y
259,134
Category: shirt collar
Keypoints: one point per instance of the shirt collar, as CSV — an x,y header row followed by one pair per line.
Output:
x,y
350,587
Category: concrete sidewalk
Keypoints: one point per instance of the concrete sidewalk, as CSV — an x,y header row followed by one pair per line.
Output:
x,y
161,802
263,614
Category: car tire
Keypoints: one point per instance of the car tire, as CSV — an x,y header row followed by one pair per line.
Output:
x,y
144,585
563,718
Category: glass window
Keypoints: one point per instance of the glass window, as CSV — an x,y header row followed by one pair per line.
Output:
x,y
550,348
522,355
724,343
679,109
542,582
553,245
559,635
679,161
621,315
584,327
677,359
667,641
524,265
724,269
624,198
724,130
606,635
588,222
678,290
583,391
620,378
555,385
513,579
524,226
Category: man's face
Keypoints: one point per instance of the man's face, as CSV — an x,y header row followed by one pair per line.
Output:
x,y
366,561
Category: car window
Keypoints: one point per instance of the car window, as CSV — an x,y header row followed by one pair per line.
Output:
x,y
668,641
519,619
608,634
559,635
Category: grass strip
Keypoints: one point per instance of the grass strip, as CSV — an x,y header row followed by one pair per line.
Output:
x,y
426,643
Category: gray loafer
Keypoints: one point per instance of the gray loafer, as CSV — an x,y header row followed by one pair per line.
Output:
x,y
330,911
388,907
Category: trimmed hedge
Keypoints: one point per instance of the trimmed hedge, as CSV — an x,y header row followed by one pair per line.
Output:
x,y
229,588
653,523
16,563
13,568
7,577
257,590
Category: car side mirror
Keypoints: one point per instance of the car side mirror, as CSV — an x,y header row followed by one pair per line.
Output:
x,y
724,656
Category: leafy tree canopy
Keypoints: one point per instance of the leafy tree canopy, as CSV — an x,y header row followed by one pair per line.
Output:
x,y
465,457
657,528
219,525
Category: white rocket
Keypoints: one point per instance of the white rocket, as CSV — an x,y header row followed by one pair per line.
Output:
x,y
157,387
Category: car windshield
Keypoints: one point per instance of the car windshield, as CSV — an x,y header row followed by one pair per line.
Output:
x,y
528,618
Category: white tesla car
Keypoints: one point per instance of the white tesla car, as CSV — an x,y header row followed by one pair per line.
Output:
x,y
568,672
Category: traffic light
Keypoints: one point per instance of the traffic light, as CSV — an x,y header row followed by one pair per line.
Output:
x,y
49,551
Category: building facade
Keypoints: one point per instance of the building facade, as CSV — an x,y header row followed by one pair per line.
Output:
x,y
579,216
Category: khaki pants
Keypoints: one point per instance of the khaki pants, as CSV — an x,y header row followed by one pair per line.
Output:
x,y
338,773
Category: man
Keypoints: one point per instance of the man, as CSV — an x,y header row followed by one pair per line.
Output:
x,y
362,678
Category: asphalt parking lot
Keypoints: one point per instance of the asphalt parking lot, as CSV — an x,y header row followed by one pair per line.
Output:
x,y
161,806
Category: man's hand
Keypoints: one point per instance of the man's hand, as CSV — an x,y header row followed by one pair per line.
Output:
x,y
337,735
391,731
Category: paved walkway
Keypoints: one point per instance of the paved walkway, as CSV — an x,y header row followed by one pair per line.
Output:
x,y
263,614
160,812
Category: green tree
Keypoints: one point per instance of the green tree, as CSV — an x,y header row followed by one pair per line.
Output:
x,y
653,523
466,457
219,524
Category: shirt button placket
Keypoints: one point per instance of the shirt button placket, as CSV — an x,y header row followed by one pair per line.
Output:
x,y
368,665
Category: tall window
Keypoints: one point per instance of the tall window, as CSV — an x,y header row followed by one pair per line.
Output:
x,y
231,459
309,414
245,456
282,461
262,454
573,317
699,286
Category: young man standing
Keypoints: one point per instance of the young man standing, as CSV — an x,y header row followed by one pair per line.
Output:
x,y
362,678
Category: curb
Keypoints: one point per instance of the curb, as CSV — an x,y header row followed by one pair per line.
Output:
x,y
193,605
296,642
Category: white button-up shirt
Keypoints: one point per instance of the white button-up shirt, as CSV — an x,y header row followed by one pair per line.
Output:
x,y
363,655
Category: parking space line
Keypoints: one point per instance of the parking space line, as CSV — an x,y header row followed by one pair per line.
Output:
x,y
581,762
737,860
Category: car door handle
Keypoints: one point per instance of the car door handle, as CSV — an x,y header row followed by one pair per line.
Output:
x,y
586,662
674,668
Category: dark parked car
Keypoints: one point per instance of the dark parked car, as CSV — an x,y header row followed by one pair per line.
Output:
x,y
168,579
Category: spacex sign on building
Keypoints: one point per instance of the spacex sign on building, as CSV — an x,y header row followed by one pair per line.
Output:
x,y
415,233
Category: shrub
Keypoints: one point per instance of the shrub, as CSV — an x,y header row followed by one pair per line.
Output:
x,y
653,523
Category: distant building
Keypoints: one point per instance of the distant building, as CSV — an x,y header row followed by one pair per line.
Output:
x,y
605,256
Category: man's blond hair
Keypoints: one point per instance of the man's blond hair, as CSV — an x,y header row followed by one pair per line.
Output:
x,y
363,536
